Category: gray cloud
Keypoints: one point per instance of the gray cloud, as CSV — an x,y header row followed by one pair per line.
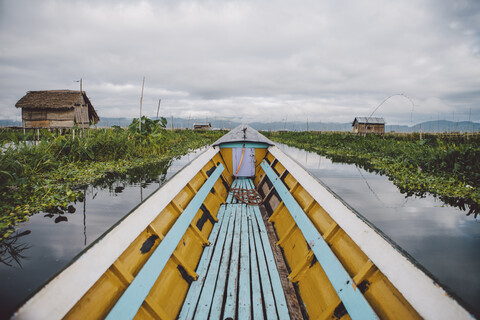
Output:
x,y
327,61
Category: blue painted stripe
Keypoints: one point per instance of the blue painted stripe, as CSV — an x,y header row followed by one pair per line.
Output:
x,y
232,285
208,290
218,296
230,194
257,303
193,295
131,300
230,197
353,300
247,145
244,304
250,185
278,293
242,183
263,271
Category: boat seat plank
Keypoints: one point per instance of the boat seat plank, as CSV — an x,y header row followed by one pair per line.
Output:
x,y
272,267
240,283
208,290
232,285
244,304
191,299
230,194
353,300
257,301
267,291
131,300
219,293
274,274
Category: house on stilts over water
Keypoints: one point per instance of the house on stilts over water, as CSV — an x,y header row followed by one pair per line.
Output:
x,y
57,109
368,125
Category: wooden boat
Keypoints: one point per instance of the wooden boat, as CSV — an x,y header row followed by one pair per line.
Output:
x,y
242,232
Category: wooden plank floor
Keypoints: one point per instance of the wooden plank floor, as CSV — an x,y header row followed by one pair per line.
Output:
x,y
238,277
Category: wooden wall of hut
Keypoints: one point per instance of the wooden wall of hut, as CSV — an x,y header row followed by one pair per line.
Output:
x,y
81,116
48,118
370,128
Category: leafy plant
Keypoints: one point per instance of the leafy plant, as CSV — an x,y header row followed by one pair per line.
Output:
x,y
443,165
47,175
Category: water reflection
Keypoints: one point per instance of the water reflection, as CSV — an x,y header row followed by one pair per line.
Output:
x,y
472,208
31,256
435,231
12,252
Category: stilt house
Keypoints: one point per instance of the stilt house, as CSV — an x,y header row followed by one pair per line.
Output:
x,y
202,126
368,125
57,109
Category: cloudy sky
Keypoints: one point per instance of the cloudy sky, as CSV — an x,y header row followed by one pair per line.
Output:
x,y
326,61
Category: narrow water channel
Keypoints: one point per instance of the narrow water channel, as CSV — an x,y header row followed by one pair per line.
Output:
x,y
443,239
48,242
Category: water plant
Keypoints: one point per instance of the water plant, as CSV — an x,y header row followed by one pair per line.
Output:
x,y
447,166
47,175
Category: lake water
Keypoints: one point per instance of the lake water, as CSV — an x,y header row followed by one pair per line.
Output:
x,y
48,242
441,238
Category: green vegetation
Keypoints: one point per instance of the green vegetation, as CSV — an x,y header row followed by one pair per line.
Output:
x,y
49,174
447,166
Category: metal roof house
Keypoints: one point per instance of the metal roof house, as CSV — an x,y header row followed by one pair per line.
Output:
x,y
57,109
202,126
365,125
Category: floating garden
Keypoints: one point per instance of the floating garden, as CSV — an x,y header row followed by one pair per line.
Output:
x,y
444,165
48,174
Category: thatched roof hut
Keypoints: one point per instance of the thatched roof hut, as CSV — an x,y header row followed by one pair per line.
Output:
x,y
57,109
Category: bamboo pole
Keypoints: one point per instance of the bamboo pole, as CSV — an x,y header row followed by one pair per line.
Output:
x,y
141,100
158,108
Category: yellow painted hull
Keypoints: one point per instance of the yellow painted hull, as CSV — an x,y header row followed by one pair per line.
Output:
x,y
167,295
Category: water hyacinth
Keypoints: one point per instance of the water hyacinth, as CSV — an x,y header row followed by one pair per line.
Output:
x,y
446,166
48,175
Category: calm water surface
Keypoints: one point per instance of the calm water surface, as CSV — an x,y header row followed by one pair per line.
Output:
x,y
48,242
441,238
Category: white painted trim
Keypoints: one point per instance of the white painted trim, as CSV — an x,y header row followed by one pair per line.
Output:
x,y
57,297
428,298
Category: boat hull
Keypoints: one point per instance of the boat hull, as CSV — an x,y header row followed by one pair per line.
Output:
x,y
337,263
